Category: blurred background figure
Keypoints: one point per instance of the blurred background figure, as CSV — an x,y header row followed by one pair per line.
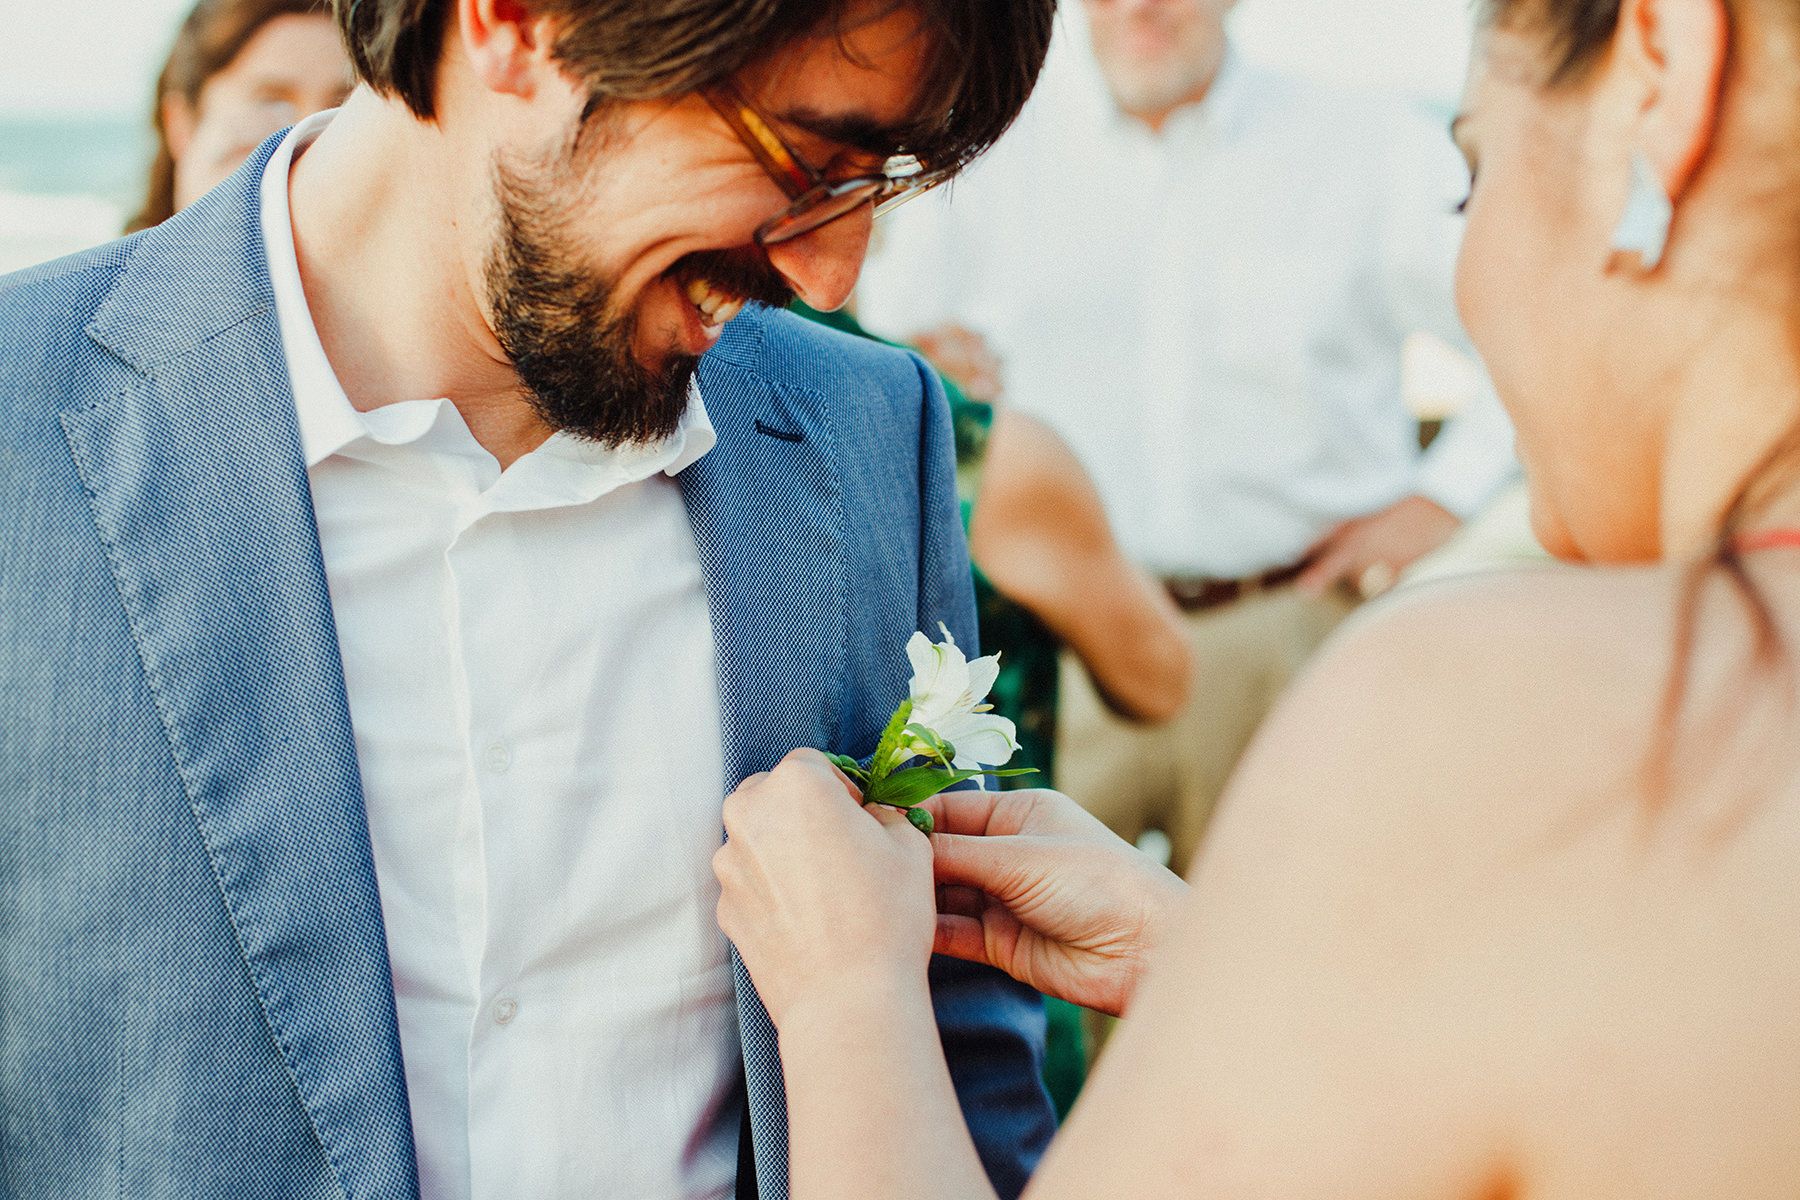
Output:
x,y
240,71
1049,573
1201,274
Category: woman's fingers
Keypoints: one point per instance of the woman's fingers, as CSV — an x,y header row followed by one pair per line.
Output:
x,y
802,778
1020,810
893,818
993,938
963,812
986,864
961,901
850,787
961,937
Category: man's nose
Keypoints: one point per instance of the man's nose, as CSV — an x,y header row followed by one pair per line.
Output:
x,y
822,266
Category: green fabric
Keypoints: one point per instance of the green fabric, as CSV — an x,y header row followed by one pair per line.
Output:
x,y
1024,691
1065,1054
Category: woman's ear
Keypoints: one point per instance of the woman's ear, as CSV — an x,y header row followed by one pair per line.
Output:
x,y
507,45
1679,48
178,121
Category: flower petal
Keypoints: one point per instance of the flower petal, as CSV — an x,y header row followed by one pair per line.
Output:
x,y
982,673
940,677
981,739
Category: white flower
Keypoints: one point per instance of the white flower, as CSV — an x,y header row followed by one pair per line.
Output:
x,y
949,696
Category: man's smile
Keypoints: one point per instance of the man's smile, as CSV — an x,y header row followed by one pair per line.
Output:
x,y
715,305
712,287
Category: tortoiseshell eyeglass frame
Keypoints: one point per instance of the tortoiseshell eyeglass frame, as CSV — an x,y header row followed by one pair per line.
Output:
x,y
817,201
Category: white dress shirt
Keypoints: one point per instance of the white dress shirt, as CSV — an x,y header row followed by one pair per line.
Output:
x,y
532,686
1211,315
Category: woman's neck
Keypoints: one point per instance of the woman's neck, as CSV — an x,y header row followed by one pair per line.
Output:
x,y
1735,400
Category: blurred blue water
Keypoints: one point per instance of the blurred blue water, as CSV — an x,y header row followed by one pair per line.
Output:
x,y
102,156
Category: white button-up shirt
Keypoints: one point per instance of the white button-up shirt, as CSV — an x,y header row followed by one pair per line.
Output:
x,y
532,686
1211,315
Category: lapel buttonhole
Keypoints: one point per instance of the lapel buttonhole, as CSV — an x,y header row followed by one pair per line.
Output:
x,y
786,435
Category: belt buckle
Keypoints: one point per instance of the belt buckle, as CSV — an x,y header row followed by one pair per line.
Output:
x,y
1197,593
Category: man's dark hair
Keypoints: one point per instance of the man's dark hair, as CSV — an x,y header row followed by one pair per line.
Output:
x,y
984,58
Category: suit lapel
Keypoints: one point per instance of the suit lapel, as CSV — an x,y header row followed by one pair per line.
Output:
x,y
767,509
199,491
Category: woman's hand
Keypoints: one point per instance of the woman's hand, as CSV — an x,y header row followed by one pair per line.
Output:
x,y
829,903
1034,885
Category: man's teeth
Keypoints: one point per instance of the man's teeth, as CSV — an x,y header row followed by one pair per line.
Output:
x,y
715,306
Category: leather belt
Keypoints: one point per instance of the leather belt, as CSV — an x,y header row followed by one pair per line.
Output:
x,y
1196,593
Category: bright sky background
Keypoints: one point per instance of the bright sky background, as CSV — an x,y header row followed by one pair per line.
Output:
x,y
101,56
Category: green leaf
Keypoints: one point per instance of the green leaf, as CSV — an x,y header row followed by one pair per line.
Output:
x,y
907,787
849,766
943,751
890,739
912,785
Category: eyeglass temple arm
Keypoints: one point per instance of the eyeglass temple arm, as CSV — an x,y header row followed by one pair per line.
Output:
x,y
795,177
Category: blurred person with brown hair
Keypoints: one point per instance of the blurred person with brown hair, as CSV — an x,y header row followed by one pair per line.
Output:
x,y
240,70
1201,274
1502,903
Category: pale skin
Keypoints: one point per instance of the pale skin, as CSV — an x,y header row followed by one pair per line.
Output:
x,y
1451,935
292,67
394,217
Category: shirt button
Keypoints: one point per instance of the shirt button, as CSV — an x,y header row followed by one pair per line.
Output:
x,y
497,758
505,1010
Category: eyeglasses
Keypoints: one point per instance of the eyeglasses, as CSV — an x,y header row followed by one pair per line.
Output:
x,y
816,200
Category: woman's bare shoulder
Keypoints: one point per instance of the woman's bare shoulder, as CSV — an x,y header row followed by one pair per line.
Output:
x,y
1546,659
1443,943
1445,728
1442,877
1514,621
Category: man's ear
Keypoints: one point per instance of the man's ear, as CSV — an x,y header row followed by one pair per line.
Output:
x,y
178,121
508,46
1679,47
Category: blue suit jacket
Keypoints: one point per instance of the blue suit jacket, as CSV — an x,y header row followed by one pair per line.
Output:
x,y
195,998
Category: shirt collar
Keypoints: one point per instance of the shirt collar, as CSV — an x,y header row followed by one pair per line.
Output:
x,y
329,422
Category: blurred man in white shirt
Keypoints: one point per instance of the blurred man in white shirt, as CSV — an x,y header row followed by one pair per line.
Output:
x,y
1201,274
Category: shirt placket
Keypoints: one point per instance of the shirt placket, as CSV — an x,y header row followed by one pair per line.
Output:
x,y
1168,334
487,760
475,915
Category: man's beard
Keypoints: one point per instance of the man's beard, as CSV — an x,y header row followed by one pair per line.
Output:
x,y
571,351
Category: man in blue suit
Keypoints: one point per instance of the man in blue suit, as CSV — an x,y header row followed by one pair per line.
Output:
x,y
403,550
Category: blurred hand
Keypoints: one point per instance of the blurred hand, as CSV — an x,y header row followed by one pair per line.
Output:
x,y
1034,885
827,902
1369,553
964,358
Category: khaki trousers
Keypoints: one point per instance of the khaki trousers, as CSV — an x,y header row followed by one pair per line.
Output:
x,y
1169,776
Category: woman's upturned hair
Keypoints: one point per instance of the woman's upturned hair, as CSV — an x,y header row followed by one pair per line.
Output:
x,y
985,53
215,33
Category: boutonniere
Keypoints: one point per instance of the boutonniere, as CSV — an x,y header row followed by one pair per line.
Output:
x,y
942,733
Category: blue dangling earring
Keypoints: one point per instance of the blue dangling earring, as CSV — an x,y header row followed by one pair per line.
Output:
x,y
1644,229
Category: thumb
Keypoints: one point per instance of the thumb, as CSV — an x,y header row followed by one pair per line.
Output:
x,y
1334,564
